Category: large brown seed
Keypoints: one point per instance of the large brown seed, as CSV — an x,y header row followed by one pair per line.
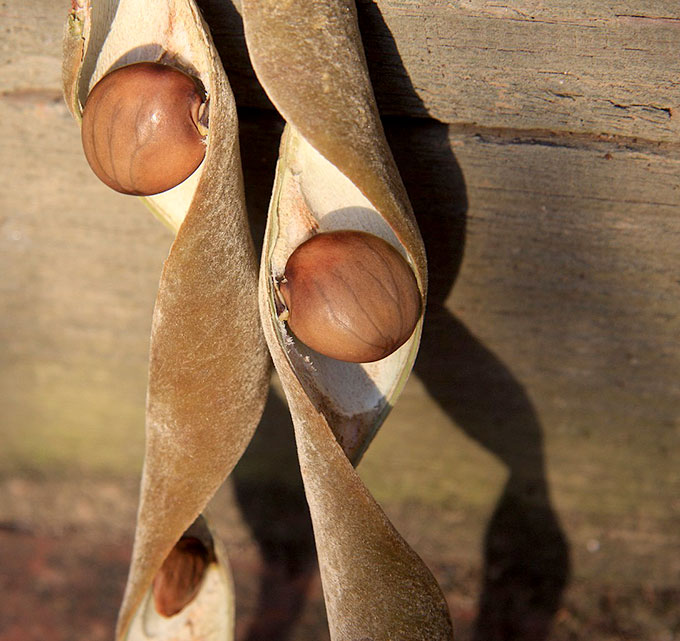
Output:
x,y
140,132
351,296
179,579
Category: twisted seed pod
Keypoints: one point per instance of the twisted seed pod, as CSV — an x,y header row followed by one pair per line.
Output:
x,y
335,172
209,365
351,296
140,128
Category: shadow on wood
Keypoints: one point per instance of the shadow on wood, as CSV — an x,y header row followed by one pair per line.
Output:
x,y
526,555
269,490
525,551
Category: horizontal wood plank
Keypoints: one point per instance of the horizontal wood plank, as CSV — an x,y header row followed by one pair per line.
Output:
x,y
560,259
595,67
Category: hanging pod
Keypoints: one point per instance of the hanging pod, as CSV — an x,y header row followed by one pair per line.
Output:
x,y
209,366
335,172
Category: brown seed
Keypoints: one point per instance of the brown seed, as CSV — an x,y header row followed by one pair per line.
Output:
x,y
351,296
179,579
140,132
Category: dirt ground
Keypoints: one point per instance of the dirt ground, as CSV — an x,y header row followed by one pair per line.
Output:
x,y
511,574
62,578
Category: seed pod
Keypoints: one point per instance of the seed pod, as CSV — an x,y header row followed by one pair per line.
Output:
x,y
336,172
179,579
140,128
191,596
351,296
208,365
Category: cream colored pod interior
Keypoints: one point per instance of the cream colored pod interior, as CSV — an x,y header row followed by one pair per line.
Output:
x,y
334,160
311,195
209,616
333,157
123,32
209,365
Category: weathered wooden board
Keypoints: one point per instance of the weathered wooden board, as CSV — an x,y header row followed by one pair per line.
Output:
x,y
559,259
79,273
593,67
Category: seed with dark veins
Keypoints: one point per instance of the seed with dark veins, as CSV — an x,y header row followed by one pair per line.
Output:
x,y
140,128
351,296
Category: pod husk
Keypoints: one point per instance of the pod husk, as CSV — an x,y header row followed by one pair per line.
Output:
x,y
209,367
309,59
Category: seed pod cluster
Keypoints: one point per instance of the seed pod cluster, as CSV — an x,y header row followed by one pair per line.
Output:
x,y
351,296
140,129
179,579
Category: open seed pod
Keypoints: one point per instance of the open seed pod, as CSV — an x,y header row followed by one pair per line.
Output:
x,y
192,596
335,172
209,366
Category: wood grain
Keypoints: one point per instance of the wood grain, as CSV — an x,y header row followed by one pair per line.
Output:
x,y
597,68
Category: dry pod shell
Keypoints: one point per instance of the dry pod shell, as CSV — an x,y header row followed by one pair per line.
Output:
x,y
208,362
351,296
192,594
336,172
140,132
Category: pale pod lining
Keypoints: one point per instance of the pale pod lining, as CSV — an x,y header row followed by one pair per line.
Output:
x,y
311,195
129,31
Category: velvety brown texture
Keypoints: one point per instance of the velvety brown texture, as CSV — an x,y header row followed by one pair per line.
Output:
x,y
375,586
351,296
140,128
308,57
209,366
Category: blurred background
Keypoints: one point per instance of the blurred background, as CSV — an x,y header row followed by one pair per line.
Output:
x,y
532,460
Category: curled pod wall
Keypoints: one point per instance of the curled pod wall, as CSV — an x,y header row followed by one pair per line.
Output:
x,y
335,172
209,367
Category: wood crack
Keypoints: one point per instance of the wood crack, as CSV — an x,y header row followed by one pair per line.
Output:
x,y
571,196
667,110
32,95
600,142
636,16
567,139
